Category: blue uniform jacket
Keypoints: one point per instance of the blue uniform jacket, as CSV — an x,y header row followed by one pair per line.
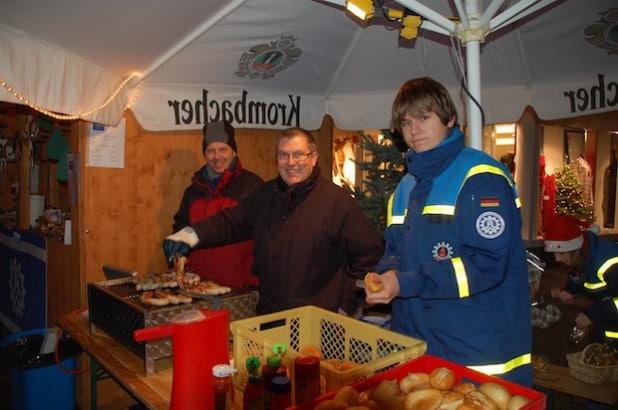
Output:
x,y
599,282
461,261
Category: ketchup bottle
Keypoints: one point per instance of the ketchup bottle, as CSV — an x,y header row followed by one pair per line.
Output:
x,y
272,369
306,378
223,386
282,393
253,397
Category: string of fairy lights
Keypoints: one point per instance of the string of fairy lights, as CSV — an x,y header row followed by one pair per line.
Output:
x,y
82,115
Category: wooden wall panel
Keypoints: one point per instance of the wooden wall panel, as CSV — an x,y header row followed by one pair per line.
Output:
x,y
65,290
9,169
63,280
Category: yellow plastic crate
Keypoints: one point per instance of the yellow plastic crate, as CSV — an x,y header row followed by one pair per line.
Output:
x,y
338,337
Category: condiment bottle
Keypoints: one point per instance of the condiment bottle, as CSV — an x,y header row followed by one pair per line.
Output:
x,y
253,397
272,369
281,393
222,386
306,378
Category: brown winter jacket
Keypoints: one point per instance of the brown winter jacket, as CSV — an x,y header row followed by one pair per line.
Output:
x,y
312,241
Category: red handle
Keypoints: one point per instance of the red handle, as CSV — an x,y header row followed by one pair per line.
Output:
x,y
154,332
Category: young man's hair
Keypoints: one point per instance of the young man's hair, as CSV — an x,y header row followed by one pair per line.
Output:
x,y
420,96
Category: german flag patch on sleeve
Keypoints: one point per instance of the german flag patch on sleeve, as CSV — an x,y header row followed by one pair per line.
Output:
x,y
492,202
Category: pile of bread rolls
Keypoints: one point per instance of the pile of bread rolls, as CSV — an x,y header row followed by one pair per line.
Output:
x,y
437,390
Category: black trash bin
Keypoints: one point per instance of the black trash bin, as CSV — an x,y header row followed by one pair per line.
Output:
x,y
36,380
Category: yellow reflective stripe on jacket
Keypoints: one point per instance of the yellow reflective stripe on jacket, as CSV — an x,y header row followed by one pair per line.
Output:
x,y
397,207
601,274
611,335
485,168
439,210
502,368
462,277
394,219
449,209
389,210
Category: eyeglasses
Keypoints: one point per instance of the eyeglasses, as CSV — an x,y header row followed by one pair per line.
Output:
x,y
296,156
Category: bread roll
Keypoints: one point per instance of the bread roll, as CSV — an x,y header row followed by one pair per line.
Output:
x,y
517,402
393,403
413,381
464,387
348,394
497,392
309,350
384,391
347,365
465,407
479,400
340,365
370,404
451,400
331,404
372,285
442,378
423,399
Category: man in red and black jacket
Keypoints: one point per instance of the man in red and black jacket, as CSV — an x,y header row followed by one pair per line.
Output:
x,y
219,184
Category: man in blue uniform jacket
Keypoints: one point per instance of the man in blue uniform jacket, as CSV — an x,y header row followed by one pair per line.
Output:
x,y
455,263
592,267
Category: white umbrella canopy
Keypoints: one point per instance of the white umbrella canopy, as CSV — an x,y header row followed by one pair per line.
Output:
x,y
278,63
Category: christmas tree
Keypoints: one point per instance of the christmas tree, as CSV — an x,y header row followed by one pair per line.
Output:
x,y
570,198
382,169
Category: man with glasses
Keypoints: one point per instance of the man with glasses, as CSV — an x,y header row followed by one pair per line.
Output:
x,y
312,240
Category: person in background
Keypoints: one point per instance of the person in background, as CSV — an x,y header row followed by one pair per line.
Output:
x,y
218,185
455,263
312,239
592,267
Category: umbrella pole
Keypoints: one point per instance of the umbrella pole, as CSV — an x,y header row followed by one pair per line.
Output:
x,y
473,72
471,31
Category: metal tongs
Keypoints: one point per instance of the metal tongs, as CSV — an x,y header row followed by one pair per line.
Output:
x,y
179,263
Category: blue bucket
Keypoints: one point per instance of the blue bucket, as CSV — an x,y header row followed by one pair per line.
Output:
x,y
37,381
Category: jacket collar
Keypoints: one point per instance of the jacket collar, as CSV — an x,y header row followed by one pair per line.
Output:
x,y
215,182
294,194
429,164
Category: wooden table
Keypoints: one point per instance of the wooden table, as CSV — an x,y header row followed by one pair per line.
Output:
x,y
120,363
155,391
559,379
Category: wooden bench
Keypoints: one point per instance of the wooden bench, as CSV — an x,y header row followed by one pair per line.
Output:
x,y
558,378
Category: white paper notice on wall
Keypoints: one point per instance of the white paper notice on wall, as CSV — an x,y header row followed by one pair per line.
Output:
x,y
68,240
106,145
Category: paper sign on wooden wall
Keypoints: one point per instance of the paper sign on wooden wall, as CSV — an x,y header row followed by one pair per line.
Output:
x,y
106,145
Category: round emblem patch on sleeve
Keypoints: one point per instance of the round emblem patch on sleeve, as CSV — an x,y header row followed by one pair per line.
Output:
x,y
490,225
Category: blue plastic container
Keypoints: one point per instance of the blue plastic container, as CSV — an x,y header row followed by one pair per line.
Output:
x,y
37,381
